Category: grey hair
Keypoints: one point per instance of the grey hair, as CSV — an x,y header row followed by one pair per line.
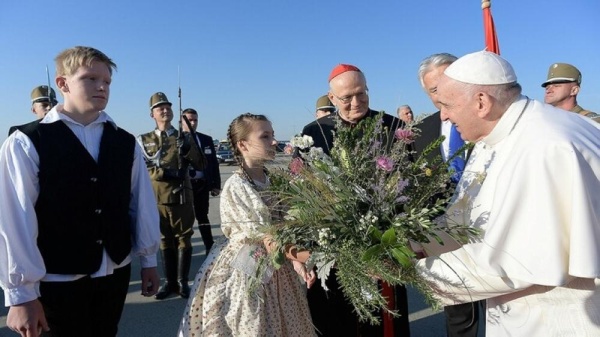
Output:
x,y
403,106
504,94
432,62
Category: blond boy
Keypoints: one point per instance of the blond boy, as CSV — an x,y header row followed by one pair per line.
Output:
x,y
77,205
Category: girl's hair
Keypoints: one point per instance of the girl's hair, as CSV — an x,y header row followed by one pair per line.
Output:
x,y
239,129
69,60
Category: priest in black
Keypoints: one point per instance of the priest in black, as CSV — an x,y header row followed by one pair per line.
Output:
x,y
332,314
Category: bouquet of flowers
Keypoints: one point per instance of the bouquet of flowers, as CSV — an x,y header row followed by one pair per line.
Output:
x,y
358,209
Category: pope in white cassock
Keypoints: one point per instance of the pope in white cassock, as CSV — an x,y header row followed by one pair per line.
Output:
x,y
532,185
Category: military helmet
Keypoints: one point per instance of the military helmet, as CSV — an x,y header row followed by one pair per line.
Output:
x,y
562,73
158,98
323,103
43,93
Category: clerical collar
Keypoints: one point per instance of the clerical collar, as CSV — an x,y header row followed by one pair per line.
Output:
x,y
507,122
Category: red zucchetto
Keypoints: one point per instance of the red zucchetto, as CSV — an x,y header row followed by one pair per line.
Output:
x,y
340,69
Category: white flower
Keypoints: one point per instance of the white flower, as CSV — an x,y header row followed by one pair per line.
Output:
x,y
324,234
316,153
303,142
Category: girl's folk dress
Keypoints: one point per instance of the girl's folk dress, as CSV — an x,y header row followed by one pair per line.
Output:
x,y
221,304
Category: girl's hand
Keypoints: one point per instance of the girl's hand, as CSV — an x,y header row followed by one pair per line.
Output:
x,y
312,277
308,276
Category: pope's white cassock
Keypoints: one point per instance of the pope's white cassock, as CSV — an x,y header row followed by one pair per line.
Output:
x,y
532,187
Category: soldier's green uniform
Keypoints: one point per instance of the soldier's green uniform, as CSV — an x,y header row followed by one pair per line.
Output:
x,y
172,187
173,194
594,116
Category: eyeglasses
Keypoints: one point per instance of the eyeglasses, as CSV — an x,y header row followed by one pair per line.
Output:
x,y
361,96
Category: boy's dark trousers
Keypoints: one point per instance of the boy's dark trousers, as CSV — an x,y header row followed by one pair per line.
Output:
x,y
85,307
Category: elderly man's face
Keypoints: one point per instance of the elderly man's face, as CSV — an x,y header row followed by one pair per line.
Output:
x,y
431,80
405,114
348,91
556,93
460,108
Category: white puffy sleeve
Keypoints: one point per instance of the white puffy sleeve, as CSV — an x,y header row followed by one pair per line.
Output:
x,y
542,227
242,209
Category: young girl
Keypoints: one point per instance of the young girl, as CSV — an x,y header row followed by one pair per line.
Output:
x,y
221,303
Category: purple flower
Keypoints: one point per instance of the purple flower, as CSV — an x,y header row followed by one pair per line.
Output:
x,y
402,184
402,199
375,146
385,163
407,136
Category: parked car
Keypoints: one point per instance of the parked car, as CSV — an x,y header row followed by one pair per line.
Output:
x,y
225,155
281,145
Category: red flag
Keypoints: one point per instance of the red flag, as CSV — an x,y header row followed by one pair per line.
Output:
x,y
491,39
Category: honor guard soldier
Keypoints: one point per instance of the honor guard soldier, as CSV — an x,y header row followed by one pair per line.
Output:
x,y
169,156
324,107
43,98
562,87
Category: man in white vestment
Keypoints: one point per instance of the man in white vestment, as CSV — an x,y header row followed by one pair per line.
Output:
x,y
532,186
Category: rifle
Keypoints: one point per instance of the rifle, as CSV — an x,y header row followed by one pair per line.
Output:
x,y
183,118
181,139
49,88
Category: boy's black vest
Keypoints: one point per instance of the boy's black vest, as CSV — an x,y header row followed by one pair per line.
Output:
x,y
83,206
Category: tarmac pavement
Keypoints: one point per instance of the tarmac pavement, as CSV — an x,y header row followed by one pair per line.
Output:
x,y
147,317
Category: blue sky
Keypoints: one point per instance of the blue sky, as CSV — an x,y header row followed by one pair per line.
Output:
x,y
273,57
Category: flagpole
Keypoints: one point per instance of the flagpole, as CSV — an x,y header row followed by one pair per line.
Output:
x,y
489,29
